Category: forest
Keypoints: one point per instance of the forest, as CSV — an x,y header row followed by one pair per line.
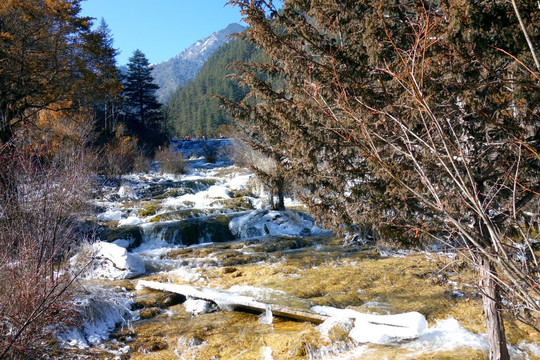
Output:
x,y
193,109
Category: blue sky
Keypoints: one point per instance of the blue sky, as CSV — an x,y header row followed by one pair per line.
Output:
x,y
159,28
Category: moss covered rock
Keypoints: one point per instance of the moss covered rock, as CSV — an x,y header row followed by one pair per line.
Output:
x,y
196,230
132,234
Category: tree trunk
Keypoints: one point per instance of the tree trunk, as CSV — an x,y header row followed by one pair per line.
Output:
x,y
491,300
277,198
280,197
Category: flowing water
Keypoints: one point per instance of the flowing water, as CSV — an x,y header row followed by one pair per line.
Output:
x,y
210,229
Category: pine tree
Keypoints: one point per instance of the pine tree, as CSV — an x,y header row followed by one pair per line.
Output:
x,y
103,80
47,57
141,100
140,90
416,119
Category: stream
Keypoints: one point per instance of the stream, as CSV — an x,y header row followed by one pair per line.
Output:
x,y
211,229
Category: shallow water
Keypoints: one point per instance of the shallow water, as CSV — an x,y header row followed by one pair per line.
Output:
x,y
291,270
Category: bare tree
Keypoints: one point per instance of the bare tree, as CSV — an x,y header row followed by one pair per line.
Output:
x,y
38,226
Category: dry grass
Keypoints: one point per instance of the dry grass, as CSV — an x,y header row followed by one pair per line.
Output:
x,y
333,276
172,162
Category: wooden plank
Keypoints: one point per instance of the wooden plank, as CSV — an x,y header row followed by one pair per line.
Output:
x,y
234,301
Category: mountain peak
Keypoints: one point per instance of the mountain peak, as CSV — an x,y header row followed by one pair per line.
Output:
x,y
183,67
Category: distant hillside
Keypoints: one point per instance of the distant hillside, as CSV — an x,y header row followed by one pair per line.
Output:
x,y
184,67
189,111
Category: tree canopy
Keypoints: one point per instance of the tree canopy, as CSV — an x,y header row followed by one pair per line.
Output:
x,y
144,110
419,120
50,59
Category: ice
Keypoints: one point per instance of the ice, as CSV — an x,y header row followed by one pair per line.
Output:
x,y
240,182
112,214
196,307
448,335
257,292
267,318
267,353
445,335
127,192
377,329
266,222
122,243
383,329
326,327
131,220
111,261
187,275
200,200
101,311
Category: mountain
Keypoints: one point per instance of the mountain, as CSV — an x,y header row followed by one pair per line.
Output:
x,y
184,67
190,112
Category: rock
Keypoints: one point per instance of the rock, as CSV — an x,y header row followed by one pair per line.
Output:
x,y
132,234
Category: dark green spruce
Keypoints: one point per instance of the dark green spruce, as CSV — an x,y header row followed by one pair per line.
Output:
x,y
145,118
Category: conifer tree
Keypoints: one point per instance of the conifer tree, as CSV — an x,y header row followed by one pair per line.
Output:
x,y
140,90
141,100
104,80
417,119
47,53
192,108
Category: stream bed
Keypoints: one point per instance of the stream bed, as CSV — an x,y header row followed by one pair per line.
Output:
x,y
211,229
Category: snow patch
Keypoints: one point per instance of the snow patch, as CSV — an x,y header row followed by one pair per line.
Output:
x,y
109,261
112,214
267,317
266,222
267,353
196,307
448,335
127,192
200,200
131,220
218,192
371,328
240,182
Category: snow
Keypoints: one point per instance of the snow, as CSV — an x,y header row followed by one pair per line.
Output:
x,y
218,192
267,353
267,317
131,220
445,335
111,261
122,243
127,192
201,200
266,222
240,182
112,214
196,307
372,328
101,313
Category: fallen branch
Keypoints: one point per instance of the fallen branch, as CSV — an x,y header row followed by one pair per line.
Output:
x,y
233,301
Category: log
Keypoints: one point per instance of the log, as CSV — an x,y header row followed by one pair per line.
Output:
x,y
234,302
